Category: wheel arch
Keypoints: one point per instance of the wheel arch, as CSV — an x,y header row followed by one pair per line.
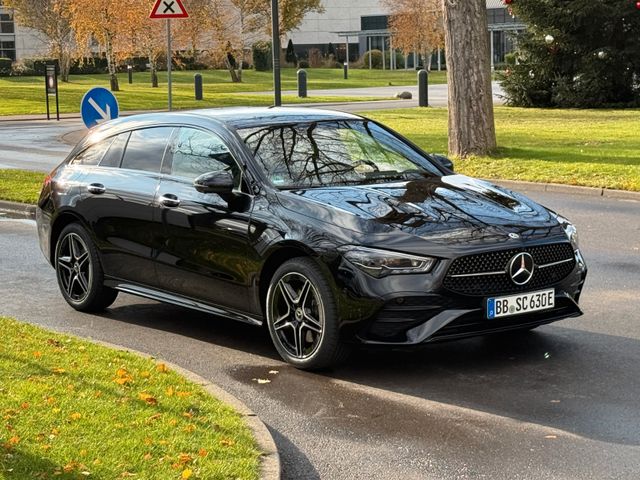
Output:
x,y
62,220
279,255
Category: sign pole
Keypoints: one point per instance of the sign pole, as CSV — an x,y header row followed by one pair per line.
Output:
x,y
168,9
169,60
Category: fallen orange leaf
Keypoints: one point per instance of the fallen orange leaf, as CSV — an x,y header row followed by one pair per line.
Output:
x,y
161,367
149,399
186,473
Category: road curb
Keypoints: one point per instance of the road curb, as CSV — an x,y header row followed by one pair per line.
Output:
x,y
569,189
23,209
270,458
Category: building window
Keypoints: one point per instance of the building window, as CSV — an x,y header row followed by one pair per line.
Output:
x,y
374,22
8,49
6,23
497,16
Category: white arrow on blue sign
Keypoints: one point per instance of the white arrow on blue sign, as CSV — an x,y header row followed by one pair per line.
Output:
x,y
98,105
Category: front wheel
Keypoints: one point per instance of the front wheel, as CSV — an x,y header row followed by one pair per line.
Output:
x,y
302,316
79,272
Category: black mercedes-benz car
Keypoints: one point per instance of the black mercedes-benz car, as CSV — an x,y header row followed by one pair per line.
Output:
x,y
328,227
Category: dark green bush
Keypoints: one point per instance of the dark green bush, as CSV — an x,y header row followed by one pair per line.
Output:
x,y
5,66
262,60
376,59
303,64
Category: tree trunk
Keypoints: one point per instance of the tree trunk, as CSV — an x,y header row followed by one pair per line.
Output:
x,y
232,71
111,65
471,123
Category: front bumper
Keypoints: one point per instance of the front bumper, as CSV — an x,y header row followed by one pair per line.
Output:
x,y
416,309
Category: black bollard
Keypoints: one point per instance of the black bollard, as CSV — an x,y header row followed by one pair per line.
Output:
x,y
346,70
302,83
423,88
130,72
197,78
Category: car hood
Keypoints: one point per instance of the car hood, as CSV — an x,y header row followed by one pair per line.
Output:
x,y
447,210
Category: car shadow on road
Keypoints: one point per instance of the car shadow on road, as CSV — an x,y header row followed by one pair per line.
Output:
x,y
581,382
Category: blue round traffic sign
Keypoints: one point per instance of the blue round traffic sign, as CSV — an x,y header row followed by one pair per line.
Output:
x,y
98,105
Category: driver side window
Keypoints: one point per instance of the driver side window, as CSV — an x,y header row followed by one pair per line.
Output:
x,y
196,152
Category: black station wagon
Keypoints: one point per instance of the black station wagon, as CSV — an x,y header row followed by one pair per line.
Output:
x,y
327,227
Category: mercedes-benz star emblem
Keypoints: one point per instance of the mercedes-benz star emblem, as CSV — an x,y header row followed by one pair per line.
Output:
x,y
514,235
521,268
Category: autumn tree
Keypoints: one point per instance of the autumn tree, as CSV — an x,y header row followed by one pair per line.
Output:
x,y
49,17
189,33
471,122
145,37
105,22
416,26
236,24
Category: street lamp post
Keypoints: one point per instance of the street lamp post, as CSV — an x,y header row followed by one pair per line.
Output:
x,y
275,51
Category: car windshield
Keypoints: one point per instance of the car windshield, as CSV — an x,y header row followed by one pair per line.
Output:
x,y
333,153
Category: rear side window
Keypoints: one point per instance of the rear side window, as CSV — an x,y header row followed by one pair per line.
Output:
x,y
146,148
93,154
113,157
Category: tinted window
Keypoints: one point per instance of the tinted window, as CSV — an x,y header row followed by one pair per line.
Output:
x,y
195,152
113,157
93,154
333,153
146,148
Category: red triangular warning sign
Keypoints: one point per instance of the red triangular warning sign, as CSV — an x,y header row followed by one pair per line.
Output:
x,y
168,9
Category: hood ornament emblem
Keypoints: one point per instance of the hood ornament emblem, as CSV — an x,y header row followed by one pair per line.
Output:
x,y
514,236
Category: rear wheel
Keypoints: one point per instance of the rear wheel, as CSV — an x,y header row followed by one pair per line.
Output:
x,y
302,316
79,272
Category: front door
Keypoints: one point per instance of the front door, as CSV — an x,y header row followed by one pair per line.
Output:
x,y
206,254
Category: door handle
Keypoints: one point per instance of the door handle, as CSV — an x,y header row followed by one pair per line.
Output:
x,y
96,188
169,200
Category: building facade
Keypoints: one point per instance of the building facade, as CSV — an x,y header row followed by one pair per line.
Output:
x,y
363,25
16,41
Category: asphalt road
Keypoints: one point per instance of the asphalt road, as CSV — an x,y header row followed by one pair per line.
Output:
x,y
562,402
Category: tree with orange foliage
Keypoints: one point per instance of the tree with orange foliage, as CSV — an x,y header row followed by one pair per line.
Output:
x,y
105,22
416,26
50,18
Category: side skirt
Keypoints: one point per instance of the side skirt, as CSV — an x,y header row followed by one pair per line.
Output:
x,y
180,301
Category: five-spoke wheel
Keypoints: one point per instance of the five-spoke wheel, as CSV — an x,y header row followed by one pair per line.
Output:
x,y
302,316
79,273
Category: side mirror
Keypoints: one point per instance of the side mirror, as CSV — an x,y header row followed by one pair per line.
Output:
x,y
443,161
214,182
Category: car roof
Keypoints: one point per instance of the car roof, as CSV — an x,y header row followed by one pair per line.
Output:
x,y
235,117
243,117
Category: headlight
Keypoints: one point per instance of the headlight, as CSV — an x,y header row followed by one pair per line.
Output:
x,y
380,263
570,230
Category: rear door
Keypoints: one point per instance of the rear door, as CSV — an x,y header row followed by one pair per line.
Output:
x,y
206,253
120,204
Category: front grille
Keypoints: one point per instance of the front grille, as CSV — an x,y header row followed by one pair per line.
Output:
x,y
546,273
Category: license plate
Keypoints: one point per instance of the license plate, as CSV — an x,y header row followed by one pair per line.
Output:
x,y
519,304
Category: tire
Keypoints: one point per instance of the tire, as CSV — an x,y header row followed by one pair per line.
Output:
x,y
79,272
302,316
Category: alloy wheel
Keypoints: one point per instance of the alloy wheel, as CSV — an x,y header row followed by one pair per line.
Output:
x,y
74,267
297,315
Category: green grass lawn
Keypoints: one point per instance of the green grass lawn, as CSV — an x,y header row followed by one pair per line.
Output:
x,y
25,95
20,185
72,409
596,148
